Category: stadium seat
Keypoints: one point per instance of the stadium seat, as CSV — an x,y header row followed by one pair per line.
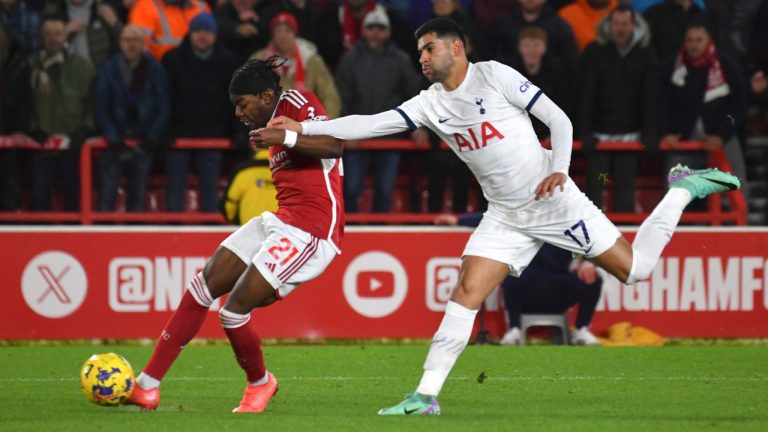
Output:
x,y
543,320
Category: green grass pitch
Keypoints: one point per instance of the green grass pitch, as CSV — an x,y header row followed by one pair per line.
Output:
x,y
337,388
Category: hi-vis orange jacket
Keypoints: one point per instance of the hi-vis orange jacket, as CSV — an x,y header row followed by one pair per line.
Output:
x,y
165,25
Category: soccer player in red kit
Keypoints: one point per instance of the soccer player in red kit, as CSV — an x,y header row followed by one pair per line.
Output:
x,y
269,256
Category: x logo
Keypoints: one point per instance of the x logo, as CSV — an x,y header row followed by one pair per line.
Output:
x,y
54,284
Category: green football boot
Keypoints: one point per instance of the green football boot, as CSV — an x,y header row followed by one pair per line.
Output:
x,y
701,183
414,403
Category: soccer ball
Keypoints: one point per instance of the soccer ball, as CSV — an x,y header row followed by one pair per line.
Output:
x,y
106,379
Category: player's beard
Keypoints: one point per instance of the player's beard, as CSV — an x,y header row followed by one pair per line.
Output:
x,y
441,73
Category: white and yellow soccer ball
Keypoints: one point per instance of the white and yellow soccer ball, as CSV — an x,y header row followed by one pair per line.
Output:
x,y
107,379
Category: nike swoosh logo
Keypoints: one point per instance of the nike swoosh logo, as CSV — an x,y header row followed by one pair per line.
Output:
x,y
730,186
407,411
443,120
587,251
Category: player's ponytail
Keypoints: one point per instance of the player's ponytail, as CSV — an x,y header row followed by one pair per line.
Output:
x,y
256,75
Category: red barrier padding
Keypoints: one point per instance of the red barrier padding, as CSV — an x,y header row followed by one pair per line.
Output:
x,y
124,282
87,216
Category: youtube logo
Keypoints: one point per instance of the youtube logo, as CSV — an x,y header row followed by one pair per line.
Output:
x,y
375,284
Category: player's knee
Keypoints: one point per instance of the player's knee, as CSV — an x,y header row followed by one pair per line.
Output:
x,y
217,286
467,295
199,290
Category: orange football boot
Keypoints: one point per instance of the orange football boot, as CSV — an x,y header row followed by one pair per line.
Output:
x,y
146,399
256,398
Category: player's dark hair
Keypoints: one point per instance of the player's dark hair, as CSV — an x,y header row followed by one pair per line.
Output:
x,y
442,28
255,76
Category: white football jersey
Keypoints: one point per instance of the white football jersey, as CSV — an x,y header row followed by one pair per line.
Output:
x,y
485,122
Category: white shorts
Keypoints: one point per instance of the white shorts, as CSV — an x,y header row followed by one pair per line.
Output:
x,y
285,255
568,220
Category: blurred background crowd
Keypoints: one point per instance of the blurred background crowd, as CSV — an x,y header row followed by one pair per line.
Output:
x,y
144,73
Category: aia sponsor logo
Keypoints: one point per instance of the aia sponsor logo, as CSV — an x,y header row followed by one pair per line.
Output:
x,y
475,140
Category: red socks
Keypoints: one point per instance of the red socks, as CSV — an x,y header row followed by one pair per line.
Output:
x,y
180,329
246,343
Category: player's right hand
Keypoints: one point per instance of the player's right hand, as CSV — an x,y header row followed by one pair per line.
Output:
x,y
265,137
286,123
548,186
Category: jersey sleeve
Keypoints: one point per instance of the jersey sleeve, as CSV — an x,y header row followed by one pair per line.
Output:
x,y
413,111
302,106
518,90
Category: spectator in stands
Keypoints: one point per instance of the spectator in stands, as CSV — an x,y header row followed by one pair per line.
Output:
x,y
420,11
338,29
559,4
561,43
121,8
668,21
476,49
617,77
165,22
551,74
583,16
758,44
9,181
732,24
305,12
53,78
132,109
758,67
373,76
702,96
199,72
488,14
305,69
242,27
22,25
250,190
552,283
93,28
643,5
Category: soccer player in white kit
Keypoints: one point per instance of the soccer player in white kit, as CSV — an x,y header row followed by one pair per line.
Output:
x,y
482,112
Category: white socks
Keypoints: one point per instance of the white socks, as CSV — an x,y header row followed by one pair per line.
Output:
x,y
447,344
147,382
262,381
655,232
199,290
231,320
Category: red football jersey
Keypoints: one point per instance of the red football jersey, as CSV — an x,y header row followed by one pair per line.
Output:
x,y
309,190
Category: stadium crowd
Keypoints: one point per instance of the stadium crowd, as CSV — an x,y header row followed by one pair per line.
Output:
x,y
143,73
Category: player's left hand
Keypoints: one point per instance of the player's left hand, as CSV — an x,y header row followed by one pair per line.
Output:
x,y
547,186
265,137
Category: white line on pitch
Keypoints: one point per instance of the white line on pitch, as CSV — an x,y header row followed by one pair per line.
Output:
x,y
458,378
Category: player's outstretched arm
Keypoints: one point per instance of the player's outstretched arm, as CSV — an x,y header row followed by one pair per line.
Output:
x,y
320,146
353,127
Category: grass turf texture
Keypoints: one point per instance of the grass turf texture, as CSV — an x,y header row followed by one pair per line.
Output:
x,y
332,388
